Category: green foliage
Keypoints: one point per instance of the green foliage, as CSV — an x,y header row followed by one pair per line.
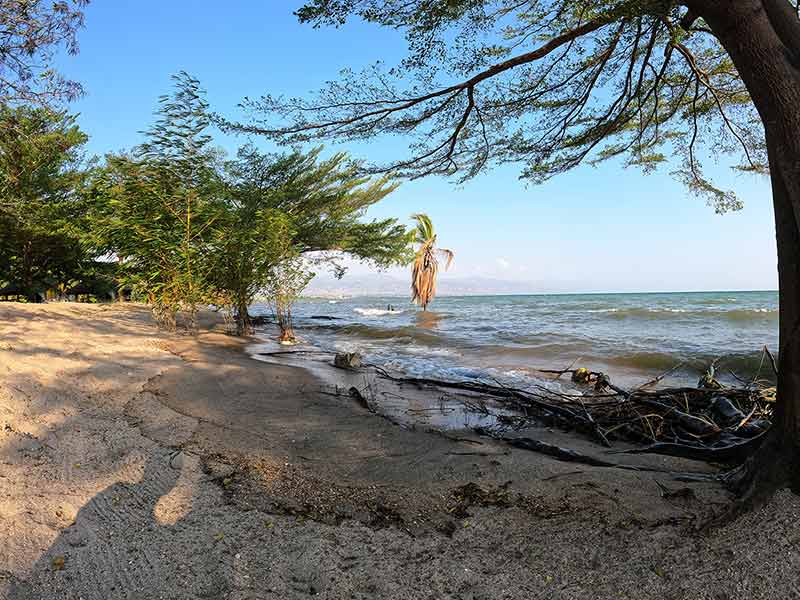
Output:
x,y
39,154
156,209
252,237
279,207
423,232
546,84
40,181
283,286
191,229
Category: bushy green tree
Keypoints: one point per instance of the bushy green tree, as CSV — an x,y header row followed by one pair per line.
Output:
x,y
191,229
279,207
252,237
40,180
156,208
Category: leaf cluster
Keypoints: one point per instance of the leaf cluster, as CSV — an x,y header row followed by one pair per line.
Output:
x,y
31,32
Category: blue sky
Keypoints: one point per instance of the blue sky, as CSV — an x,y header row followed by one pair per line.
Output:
x,y
595,229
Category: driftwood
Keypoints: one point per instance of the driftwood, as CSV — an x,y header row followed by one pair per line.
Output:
x,y
360,398
558,452
736,453
712,423
771,361
563,454
283,352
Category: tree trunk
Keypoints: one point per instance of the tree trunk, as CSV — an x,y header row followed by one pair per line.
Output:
x,y
287,334
762,40
782,449
244,324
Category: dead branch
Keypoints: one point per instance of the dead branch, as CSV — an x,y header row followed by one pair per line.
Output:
x,y
772,361
702,423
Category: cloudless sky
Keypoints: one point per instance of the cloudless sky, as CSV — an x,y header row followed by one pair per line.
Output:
x,y
594,229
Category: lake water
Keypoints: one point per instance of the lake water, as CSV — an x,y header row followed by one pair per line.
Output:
x,y
631,337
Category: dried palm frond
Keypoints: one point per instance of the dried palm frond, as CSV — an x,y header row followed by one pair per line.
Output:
x,y
426,265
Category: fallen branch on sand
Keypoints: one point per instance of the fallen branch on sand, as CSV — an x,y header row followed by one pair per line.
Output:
x,y
709,423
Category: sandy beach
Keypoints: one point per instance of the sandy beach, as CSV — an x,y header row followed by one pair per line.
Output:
x,y
140,464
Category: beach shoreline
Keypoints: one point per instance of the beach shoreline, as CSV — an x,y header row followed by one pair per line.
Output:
x,y
632,338
162,464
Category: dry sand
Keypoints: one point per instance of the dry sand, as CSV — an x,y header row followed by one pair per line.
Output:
x,y
136,464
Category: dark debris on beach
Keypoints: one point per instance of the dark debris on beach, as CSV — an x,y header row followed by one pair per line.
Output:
x,y
710,422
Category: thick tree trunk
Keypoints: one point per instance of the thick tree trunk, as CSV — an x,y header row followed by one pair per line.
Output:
x,y
783,449
761,39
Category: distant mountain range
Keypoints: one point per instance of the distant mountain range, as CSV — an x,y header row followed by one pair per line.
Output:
x,y
384,284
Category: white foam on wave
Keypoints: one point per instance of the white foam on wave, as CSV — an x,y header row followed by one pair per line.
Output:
x,y
419,350
376,312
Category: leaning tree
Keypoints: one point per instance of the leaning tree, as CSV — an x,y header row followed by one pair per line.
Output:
x,y
550,84
282,211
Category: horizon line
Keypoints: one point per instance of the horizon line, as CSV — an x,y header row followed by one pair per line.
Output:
x,y
595,293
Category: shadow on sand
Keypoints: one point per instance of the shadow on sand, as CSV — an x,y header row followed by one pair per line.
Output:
x,y
122,544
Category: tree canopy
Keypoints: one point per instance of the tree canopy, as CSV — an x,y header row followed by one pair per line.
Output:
x,y
41,176
279,207
31,32
548,84
191,228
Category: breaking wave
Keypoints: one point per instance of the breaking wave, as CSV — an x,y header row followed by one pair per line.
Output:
x,y
376,312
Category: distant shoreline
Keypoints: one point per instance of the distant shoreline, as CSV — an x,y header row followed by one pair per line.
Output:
x,y
341,296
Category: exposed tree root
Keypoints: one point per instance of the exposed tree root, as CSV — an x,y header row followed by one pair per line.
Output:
x,y
734,453
768,470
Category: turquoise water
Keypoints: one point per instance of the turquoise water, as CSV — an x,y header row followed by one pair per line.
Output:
x,y
632,337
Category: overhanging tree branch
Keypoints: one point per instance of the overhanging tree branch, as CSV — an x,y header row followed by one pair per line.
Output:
x,y
589,90
400,105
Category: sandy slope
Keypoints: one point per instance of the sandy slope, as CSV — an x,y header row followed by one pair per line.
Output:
x,y
161,466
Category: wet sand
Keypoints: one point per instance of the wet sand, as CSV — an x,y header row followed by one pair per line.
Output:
x,y
138,464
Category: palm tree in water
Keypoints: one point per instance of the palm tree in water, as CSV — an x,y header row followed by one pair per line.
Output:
x,y
426,263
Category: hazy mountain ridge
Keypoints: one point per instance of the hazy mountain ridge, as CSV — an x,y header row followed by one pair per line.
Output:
x,y
383,284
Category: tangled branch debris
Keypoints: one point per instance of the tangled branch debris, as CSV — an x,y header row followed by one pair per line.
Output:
x,y
711,422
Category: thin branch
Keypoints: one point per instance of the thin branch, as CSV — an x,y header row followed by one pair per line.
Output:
x,y
528,57
706,80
